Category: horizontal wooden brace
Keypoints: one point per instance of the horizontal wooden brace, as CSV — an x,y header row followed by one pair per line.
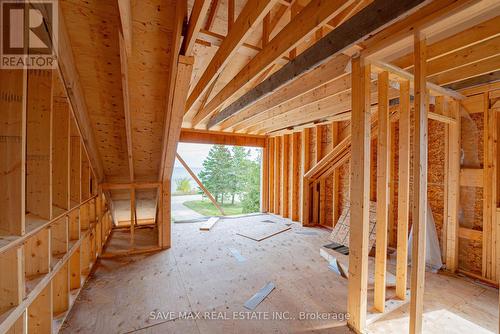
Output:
x,y
135,185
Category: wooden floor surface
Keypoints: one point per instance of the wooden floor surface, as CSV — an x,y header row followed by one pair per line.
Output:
x,y
199,274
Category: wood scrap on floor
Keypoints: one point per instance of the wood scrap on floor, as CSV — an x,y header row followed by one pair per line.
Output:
x,y
256,299
261,232
331,256
206,226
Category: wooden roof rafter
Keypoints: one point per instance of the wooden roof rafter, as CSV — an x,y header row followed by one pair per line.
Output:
x,y
315,14
425,16
125,41
252,14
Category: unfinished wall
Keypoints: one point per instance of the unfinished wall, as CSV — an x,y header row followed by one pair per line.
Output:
x,y
53,222
330,197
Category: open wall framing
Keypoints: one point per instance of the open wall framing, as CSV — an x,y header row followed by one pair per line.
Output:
x,y
54,222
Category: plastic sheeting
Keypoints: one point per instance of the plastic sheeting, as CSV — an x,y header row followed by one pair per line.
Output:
x,y
433,260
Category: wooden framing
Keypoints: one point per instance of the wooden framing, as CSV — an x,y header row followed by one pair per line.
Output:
x,y
200,184
251,15
359,190
403,189
285,174
419,186
74,138
44,228
452,192
383,173
295,206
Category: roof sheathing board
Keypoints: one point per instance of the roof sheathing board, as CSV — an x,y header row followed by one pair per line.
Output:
x,y
93,28
148,82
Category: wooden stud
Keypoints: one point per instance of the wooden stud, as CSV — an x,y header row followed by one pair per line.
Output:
x,y
453,188
285,182
359,192
60,154
75,270
383,156
264,179
272,180
38,148
11,278
403,189
13,86
335,177
277,174
37,254
419,216
165,231
306,165
60,291
133,221
40,312
296,177
74,225
75,166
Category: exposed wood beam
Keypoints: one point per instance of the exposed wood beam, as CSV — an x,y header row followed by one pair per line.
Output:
x,y
200,184
322,76
198,14
359,196
74,91
250,16
221,138
419,216
126,24
315,14
173,89
408,76
248,49
296,177
354,30
468,71
211,14
184,70
126,106
230,14
477,34
429,13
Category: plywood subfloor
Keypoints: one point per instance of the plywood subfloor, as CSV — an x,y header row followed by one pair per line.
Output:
x,y
199,274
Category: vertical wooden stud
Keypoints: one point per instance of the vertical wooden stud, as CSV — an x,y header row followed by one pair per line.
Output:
x,y
383,156
359,195
419,186
403,189
285,183
296,177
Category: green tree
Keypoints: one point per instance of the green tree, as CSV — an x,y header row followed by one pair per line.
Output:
x,y
216,168
251,195
183,185
239,171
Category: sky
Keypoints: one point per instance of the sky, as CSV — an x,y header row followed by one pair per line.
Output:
x,y
194,154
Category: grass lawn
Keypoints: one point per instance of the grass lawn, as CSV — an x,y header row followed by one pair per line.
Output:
x,y
206,208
